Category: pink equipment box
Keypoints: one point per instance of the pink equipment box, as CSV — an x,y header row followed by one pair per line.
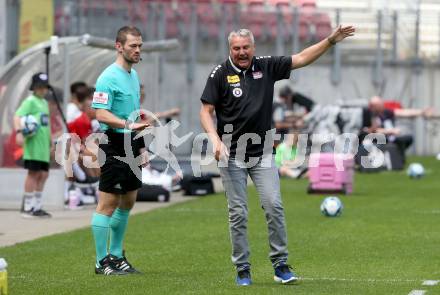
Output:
x,y
330,172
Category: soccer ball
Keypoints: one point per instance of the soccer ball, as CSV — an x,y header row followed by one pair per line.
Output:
x,y
415,170
331,206
29,125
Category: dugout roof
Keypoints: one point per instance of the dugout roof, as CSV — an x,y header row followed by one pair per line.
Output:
x,y
71,59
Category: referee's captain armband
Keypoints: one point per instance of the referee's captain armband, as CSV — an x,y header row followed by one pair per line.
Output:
x,y
100,97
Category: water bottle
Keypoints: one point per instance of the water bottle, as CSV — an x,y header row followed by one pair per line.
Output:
x,y
3,277
74,199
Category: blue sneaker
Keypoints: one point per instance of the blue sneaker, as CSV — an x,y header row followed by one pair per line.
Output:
x,y
244,278
284,275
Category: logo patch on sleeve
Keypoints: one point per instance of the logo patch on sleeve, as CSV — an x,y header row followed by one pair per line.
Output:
x,y
100,97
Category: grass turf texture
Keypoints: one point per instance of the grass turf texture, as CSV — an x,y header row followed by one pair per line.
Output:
x,y
386,242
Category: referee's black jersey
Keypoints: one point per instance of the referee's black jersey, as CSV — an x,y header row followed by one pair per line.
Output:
x,y
244,98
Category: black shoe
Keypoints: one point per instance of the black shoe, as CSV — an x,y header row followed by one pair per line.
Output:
x,y
122,264
107,267
41,213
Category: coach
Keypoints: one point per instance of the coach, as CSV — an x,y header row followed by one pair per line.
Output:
x,y
240,92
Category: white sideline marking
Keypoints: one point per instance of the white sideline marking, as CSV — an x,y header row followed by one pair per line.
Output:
x,y
430,283
435,211
362,280
417,292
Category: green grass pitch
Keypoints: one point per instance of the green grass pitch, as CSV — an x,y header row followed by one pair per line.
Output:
x,y
387,241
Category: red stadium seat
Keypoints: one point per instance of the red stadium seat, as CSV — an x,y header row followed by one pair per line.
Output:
x,y
171,16
208,22
60,18
304,27
254,18
180,16
109,7
272,23
232,14
140,12
229,1
306,3
280,2
323,25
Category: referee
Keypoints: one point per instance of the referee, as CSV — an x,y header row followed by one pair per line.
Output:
x,y
240,92
116,97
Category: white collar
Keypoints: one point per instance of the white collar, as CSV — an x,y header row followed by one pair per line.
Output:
x,y
237,69
234,66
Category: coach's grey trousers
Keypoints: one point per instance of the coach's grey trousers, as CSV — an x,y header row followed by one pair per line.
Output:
x,y
265,176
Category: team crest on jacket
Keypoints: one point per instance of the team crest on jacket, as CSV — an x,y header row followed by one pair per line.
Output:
x,y
237,92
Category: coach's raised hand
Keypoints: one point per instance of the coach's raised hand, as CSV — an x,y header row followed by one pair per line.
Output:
x,y
340,34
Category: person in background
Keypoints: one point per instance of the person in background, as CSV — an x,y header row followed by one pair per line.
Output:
x,y
36,146
378,119
285,157
286,115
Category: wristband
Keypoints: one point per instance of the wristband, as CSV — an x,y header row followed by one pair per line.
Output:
x,y
331,42
128,123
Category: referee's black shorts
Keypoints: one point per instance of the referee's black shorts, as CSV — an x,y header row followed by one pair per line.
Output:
x,y
117,176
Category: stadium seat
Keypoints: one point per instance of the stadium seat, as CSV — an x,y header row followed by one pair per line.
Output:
x,y
171,17
60,18
272,24
228,2
286,9
232,13
323,25
280,2
207,19
109,7
304,27
254,18
311,4
178,19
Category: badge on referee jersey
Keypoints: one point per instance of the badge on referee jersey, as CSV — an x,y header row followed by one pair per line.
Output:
x,y
237,92
100,97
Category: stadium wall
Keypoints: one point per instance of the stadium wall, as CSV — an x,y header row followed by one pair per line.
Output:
x,y
11,197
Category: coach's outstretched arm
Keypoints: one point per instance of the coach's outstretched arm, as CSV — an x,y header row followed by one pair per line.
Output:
x,y
312,53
